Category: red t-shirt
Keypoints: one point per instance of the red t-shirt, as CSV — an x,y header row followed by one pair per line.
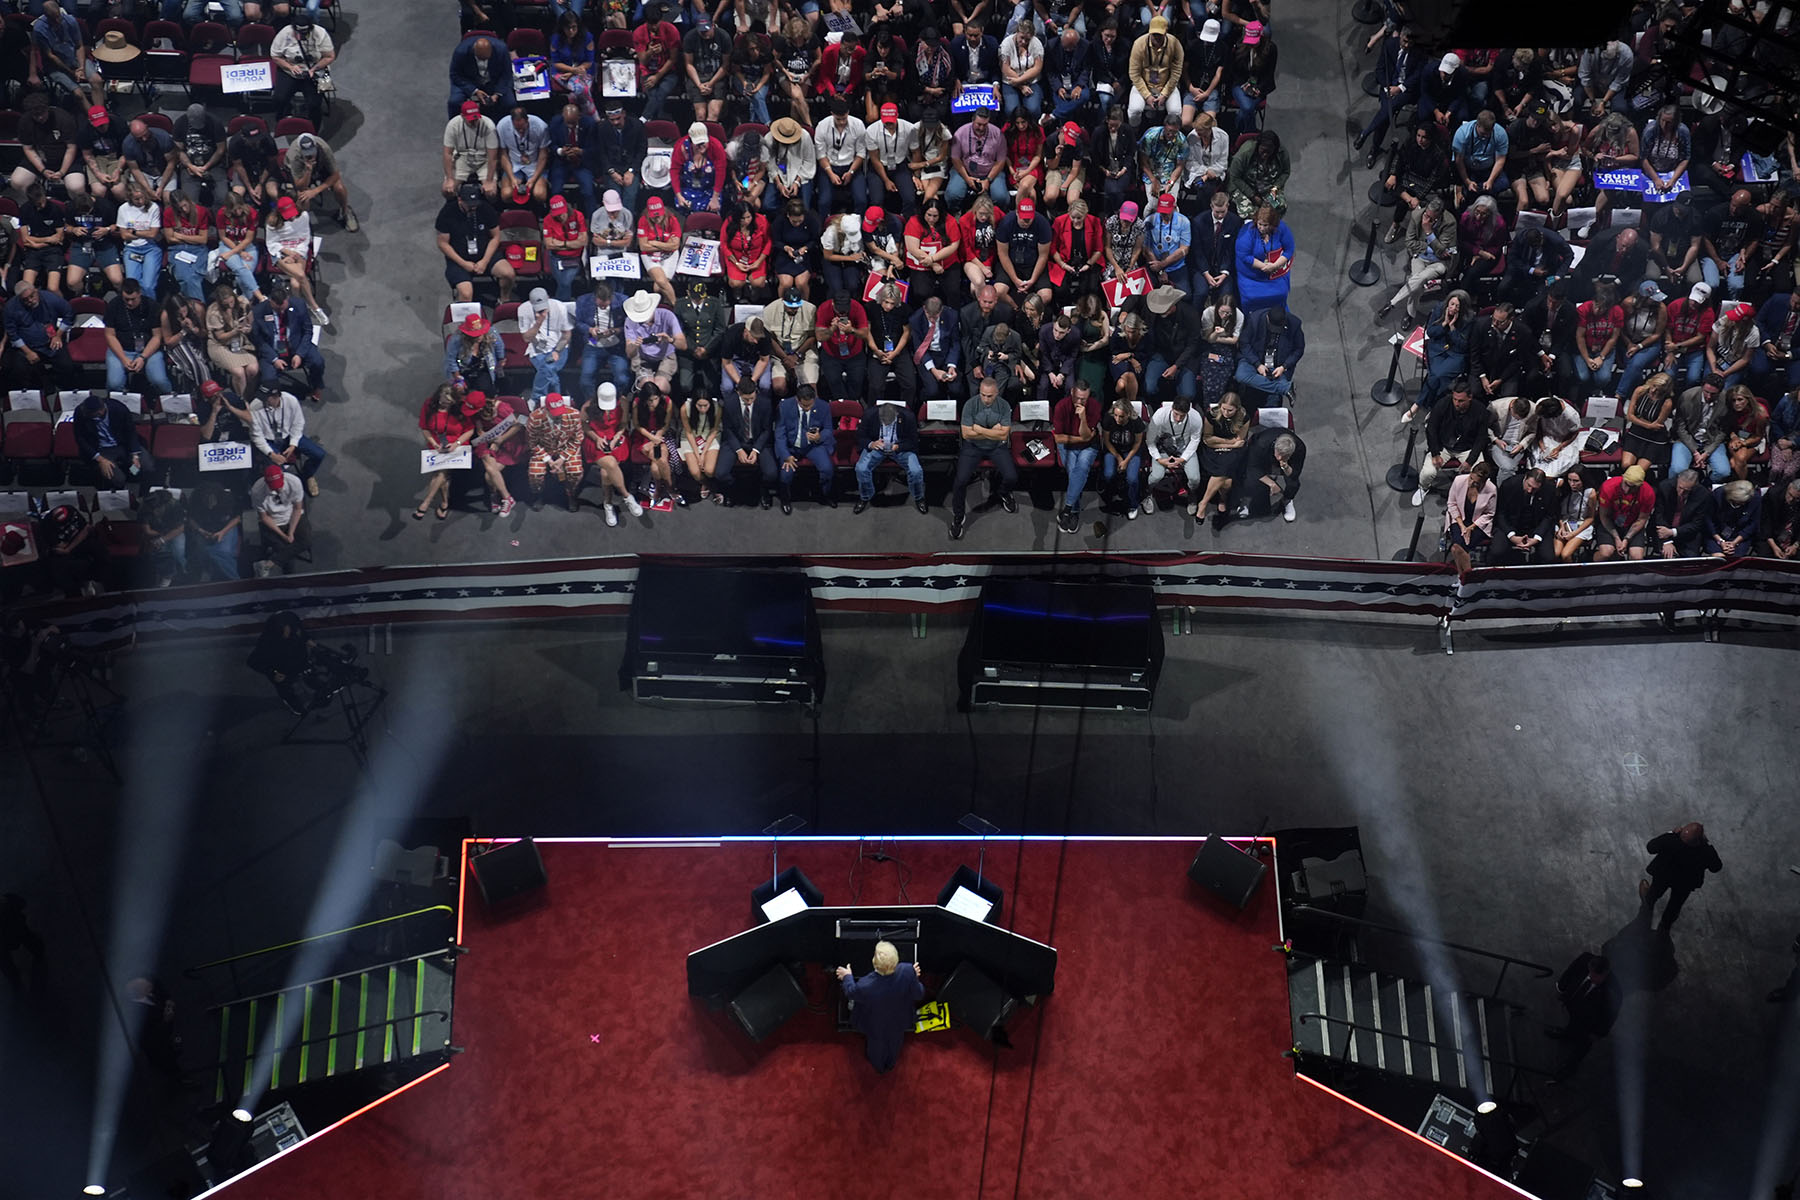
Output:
x,y
929,239
1064,421
236,231
1625,505
572,228
1599,323
651,230
201,222
446,426
1687,319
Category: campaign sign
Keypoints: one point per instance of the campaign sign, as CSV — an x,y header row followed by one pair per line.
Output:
x,y
972,96
1117,291
1631,179
460,458
699,256
247,77
531,79
224,456
625,266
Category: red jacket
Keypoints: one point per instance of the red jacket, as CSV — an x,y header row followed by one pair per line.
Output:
x,y
1062,243
828,69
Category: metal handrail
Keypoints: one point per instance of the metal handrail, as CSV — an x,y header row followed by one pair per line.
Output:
x,y
286,1047
1380,1032
298,987
194,972
1538,970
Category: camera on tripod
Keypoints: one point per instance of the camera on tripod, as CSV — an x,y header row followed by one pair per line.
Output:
x,y
329,672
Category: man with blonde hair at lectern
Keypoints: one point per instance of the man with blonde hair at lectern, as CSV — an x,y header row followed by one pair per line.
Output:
x,y
883,1003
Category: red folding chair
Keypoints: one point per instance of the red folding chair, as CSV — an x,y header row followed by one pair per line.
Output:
x,y
514,341
165,53
210,51
293,127
528,41
88,346
846,417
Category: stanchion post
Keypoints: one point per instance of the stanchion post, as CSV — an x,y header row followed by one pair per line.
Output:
x,y
1403,476
1391,391
1411,552
1367,272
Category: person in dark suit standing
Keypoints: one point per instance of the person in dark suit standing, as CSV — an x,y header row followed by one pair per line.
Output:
x,y
1590,995
883,1003
1682,858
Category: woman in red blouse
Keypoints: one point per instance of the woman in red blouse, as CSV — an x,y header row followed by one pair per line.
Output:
x,y
500,442
746,251
237,222
980,226
605,447
446,421
933,243
1077,251
1024,154
1597,325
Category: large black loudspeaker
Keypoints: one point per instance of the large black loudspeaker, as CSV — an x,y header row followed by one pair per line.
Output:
x,y
508,872
1227,872
708,634
977,1002
1063,645
762,1007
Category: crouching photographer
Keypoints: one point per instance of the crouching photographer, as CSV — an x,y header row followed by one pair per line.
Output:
x,y
306,675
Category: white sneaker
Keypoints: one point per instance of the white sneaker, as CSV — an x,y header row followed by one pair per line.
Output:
x,y
1149,505
1418,497
633,507
319,318
1287,513
1131,513
611,513
1194,509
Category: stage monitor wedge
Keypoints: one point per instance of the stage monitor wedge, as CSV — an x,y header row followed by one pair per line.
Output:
x,y
1039,643
508,872
714,635
1227,872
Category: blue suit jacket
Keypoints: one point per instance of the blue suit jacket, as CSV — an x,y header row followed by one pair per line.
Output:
x,y
1288,347
1389,73
818,417
264,321
558,134
1773,315
464,78
884,1012
949,337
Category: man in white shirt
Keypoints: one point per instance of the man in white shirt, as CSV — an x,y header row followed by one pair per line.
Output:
x,y
889,146
547,329
302,54
842,142
280,504
525,142
278,432
1174,439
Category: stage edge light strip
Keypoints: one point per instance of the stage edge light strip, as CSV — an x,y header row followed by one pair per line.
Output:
x,y
344,1120
1413,1134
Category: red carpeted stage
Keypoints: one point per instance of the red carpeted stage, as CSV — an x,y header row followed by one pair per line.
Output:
x,y
1154,1070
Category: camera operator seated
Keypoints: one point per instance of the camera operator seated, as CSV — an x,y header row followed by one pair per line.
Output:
x,y
280,503
306,675
106,436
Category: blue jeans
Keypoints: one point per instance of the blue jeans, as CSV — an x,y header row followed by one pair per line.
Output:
x,y
828,191
758,103
143,262
560,174
190,11
1734,280
956,191
1246,375
1109,467
188,265
243,269
1635,368
774,201
170,559
1154,382
154,372
1680,458
819,457
548,367
1600,378
1762,370
1032,101
1249,109
1078,462
220,556
566,271
1690,368
1064,109
311,455
659,96
618,369
865,472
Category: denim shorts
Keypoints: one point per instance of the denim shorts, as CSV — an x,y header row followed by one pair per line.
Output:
x,y
90,255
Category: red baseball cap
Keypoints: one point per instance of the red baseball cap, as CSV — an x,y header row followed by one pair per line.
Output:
x,y
890,112
1071,132
1165,204
653,204
555,402
211,388
287,208
558,205
1027,210
473,403
471,111
97,115
273,476
872,219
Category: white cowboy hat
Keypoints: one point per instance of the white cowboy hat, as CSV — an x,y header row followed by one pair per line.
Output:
x,y
641,306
